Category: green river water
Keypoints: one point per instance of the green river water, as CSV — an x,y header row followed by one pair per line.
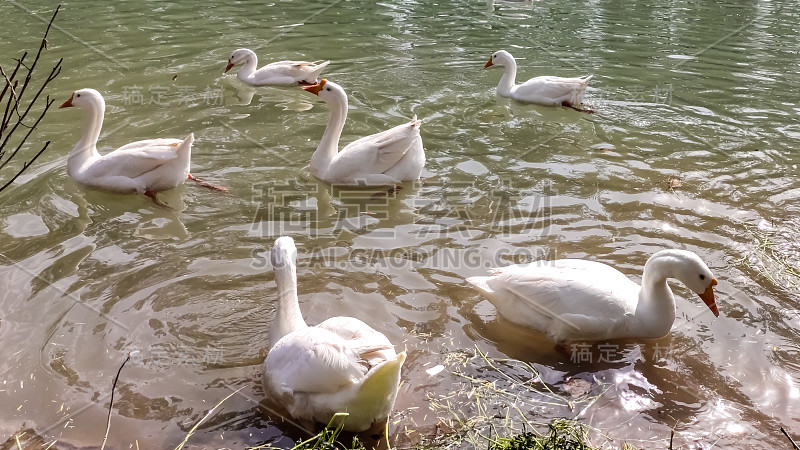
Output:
x,y
706,92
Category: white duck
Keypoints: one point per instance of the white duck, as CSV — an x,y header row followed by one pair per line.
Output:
x,y
388,157
280,73
547,90
141,167
340,365
573,299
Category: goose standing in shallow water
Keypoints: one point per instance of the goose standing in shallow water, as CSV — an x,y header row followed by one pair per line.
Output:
x,y
384,158
340,365
547,90
142,167
279,73
574,299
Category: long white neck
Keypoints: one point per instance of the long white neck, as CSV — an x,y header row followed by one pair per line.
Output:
x,y
288,317
249,66
656,307
329,145
86,148
509,77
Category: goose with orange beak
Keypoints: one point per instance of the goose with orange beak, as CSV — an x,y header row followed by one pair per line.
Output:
x,y
546,90
340,365
384,158
279,73
142,167
574,299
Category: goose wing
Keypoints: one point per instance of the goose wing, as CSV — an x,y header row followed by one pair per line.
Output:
x,y
137,158
549,87
377,153
538,292
313,360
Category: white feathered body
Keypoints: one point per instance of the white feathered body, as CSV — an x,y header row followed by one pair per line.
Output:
x,y
387,157
148,165
574,299
569,299
545,90
551,91
341,365
284,73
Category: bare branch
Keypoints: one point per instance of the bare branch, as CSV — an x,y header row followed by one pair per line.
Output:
x,y
16,111
38,54
13,74
25,166
111,404
14,153
53,74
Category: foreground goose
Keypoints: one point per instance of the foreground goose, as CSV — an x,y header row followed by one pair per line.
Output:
x,y
548,91
280,73
384,158
141,167
573,299
340,365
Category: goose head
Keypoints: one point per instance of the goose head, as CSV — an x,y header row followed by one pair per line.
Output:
x,y
499,58
284,253
694,273
84,98
326,90
238,56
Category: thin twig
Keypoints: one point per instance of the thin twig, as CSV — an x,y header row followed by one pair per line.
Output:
x,y
208,414
794,444
15,99
42,46
53,74
13,74
25,166
9,85
21,92
111,404
24,139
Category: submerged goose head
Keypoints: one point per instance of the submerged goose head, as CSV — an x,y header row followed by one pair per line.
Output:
x,y
239,56
84,98
326,90
499,58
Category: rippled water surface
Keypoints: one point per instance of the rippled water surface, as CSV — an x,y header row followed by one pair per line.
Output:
x,y
703,92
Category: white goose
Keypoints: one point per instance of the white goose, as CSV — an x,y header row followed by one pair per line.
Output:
x,y
388,157
141,167
573,299
280,73
340,365
547,90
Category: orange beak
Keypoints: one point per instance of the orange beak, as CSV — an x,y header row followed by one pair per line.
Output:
x,y
228,67
488,64
315,88
68,103
708,298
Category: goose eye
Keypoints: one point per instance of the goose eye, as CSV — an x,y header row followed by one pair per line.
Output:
x,y
327,89
702,277
78,95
